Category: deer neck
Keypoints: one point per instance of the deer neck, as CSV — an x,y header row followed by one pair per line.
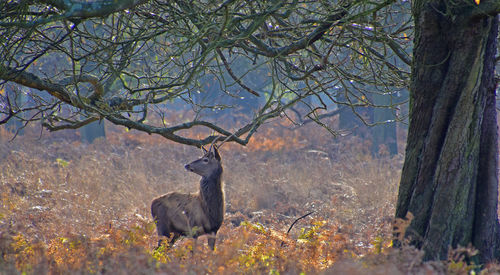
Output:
x,y
212,197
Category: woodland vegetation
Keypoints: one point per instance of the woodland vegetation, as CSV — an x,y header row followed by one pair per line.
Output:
x,y
189,72
71,207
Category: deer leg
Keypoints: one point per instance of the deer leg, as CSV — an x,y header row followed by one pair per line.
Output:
x,y
175,236
211,240
170,241
160,240
195,244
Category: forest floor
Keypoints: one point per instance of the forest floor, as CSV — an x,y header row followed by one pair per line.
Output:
x,y
73,208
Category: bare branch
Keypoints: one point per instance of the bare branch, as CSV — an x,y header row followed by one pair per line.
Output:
x,y
133,68
305,41
78,10
294,222
235,78
30,80
70,125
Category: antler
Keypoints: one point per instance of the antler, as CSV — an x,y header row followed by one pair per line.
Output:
x,y
213,142
217,138
226,139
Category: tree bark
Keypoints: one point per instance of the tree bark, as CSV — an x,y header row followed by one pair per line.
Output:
x,y
449,179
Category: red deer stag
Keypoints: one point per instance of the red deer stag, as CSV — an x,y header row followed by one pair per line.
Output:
x,y
194,214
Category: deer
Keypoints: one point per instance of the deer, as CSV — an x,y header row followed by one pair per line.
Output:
x,y
195,214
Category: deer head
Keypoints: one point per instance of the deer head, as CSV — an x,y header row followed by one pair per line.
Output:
x,y
206,165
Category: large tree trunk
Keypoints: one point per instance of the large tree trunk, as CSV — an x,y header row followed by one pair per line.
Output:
x,y
449,179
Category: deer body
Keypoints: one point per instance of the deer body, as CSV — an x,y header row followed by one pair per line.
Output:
x,y
193,214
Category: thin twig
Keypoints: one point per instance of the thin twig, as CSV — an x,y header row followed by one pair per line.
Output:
x,y
298,219
235,78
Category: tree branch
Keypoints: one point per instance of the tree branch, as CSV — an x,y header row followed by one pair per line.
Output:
x,y
33,81
306,40
74,9
69,125
233,76
485,8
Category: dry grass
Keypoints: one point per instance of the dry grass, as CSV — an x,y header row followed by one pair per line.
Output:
x,y
68,207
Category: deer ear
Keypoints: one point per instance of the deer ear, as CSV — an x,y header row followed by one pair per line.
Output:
x,y
216,153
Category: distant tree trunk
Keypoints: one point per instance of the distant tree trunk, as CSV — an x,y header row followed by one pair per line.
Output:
x,y
385,133
17,98
351,118
449,179
90,132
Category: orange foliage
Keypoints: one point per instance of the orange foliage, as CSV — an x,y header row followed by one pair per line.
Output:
x,y
68,207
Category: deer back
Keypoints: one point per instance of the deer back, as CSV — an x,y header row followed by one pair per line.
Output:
x,y
181,213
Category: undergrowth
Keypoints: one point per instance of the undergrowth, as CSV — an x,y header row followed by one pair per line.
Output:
x,y
73,208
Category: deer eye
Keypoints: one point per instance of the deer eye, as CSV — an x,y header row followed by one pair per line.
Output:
x,y
205,160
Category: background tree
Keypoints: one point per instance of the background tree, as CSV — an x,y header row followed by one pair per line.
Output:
x,y
14,125
91,131
130,62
